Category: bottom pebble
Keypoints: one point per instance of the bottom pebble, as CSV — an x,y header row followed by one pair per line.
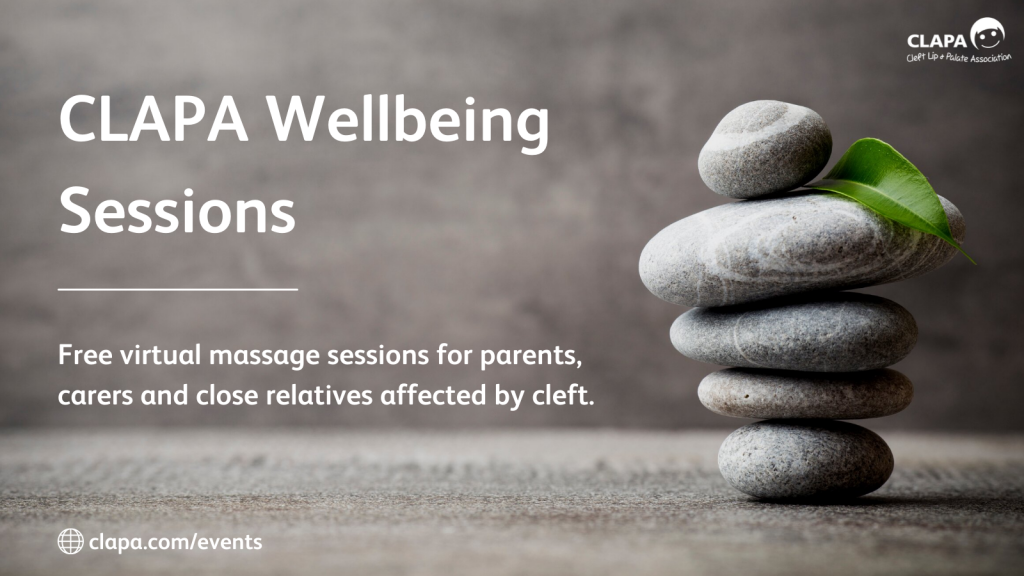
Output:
x,y
806,459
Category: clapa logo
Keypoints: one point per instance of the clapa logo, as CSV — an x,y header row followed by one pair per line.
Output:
x,y
987,33
937,41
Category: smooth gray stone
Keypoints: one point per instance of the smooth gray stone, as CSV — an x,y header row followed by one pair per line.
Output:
x,y
765,147
831,332
791,459
757,249
748,393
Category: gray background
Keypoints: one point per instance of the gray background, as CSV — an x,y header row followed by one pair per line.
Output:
x,y
474,244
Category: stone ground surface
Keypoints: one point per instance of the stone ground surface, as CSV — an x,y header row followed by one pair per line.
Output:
x,y
554,502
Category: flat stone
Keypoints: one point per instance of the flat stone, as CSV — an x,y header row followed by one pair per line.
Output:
x,y
831,332
765,147
749,393
758,249
811,459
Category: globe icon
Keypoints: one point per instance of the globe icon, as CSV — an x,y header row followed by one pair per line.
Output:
x,y
70,541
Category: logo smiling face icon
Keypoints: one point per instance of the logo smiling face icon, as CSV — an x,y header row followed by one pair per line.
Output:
x,y
987,33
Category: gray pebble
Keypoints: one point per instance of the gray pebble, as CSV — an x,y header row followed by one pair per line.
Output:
x,y
757,249
765,147
748,393
813,459
831,332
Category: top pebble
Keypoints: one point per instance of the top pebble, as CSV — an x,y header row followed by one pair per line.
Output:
x,y
765,147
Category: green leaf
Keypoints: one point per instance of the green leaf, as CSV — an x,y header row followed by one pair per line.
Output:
x,y
876,175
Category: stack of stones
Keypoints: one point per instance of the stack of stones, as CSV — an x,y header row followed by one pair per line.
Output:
x,y
763,276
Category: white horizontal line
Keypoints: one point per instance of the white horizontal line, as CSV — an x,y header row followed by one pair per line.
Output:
x,y
177,289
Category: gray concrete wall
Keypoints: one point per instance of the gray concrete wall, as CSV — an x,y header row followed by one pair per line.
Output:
x,y
474,244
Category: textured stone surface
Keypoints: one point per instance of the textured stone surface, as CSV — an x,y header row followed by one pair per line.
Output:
x,y
765,147
502,503
815,459
757,249
749,393
832,332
